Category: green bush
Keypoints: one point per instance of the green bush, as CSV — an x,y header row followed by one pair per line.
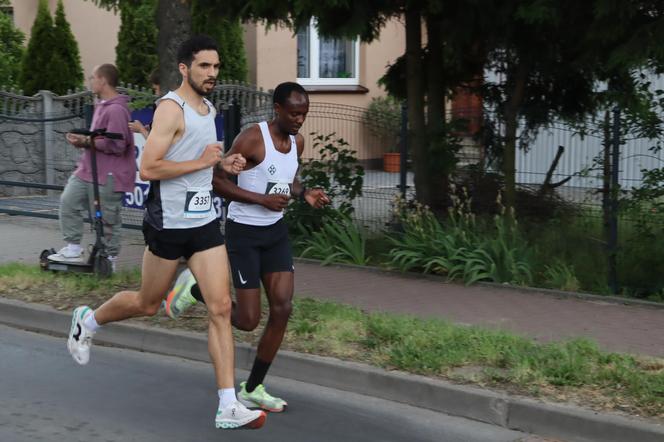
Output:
x,y
11,52
383,117
136,51
338,240
573,241
338,173
640,253
571,252
227,32
66,62
51,61
38,55
561,276
460,246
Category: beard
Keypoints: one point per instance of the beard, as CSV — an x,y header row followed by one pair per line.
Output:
x,y
199,88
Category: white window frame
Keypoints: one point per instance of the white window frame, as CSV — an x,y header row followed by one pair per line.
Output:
x,y
314,64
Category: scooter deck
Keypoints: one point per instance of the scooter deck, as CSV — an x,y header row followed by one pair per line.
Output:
x,y
64,266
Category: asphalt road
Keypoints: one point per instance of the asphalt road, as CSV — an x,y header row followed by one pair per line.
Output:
x,y
131,396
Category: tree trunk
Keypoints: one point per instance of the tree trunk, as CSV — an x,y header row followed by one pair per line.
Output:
x,y
415,92
435,123
174,24
511,125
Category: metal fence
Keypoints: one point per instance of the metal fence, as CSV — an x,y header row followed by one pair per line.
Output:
x,y
33,150
36,161
582,157
582,161
370,142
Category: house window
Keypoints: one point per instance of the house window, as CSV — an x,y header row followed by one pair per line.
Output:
x,y
326,61
7,10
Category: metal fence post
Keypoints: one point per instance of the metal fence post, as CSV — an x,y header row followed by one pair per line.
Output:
x,y
232,123
613,222
403,148
47,136
88,112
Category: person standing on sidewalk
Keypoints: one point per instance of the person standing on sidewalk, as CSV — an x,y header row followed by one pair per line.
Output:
x,y
116,167
180,221
259,249
138,127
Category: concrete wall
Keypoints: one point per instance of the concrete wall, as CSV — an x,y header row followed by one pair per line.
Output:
x,y
95,29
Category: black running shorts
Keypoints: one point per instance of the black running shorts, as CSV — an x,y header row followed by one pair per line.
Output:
x,y
254,251
175,243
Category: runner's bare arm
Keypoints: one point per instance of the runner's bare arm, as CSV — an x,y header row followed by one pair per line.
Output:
x,y
168,123
245,144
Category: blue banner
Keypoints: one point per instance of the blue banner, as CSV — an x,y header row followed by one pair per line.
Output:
x,y
136,199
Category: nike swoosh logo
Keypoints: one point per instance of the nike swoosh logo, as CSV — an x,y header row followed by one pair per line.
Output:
x,y
78,332
242,280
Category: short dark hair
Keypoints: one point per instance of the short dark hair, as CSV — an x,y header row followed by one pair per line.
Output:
x,y
154,77
189,48
284,90
110,73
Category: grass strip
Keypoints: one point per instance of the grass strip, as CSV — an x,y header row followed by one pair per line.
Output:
x,y
574,371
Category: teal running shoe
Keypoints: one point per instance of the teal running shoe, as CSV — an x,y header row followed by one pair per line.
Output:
x,y
179,299
259,398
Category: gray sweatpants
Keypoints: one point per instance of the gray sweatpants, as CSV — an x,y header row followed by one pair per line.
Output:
x,y
77,198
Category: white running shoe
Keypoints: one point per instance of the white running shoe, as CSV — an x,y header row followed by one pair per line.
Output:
x,y
113,259
68,253
80,338
237,415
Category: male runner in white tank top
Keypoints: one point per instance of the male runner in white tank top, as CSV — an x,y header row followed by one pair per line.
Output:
x,y
180,221
258,245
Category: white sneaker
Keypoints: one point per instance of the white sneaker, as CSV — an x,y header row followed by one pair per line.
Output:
x,y
80,338
237,415
113,259
68,253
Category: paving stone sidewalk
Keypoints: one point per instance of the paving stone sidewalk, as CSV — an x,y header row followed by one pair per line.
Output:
x,y
543,316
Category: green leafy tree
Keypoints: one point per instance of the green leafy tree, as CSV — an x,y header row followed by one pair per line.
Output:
x,y
173,18
175,25
552,55
51,61
65,68
228,34
425,86
11,52
37,58
136,51
336,159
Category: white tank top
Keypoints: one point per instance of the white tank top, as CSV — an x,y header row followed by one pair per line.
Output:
x,y
274,175
185,202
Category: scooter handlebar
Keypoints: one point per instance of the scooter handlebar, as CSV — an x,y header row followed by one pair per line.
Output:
x,y
98,133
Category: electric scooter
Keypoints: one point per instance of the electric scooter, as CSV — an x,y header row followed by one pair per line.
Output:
x,y
97,261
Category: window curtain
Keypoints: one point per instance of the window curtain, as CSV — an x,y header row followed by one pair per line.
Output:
x,y
336,58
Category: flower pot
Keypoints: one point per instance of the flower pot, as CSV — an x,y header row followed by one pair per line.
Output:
x,y
392,162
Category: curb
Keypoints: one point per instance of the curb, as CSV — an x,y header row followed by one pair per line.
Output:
x,y
495,285
515,413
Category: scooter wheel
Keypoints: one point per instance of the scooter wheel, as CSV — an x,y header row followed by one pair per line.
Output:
x,y
103,267
43,258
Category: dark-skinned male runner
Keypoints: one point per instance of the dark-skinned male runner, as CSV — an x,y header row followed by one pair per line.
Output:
x,y
259,249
